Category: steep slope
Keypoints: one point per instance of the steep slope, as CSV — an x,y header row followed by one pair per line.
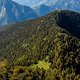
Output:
x,y
12,12
41,49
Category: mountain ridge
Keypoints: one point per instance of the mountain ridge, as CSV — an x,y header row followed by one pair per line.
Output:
x,y
41,49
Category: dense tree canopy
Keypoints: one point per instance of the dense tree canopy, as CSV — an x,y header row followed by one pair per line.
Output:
x,y
41,49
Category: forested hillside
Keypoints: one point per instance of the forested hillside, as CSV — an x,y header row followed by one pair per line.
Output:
x,y
47,48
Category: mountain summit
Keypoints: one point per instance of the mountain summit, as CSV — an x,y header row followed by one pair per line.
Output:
x,y
12,12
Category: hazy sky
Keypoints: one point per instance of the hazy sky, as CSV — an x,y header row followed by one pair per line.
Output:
x,y
32,3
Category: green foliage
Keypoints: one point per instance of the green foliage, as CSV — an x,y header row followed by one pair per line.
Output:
x,y
40,49
42,65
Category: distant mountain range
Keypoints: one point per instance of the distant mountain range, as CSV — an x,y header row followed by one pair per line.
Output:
x,y
34,3
69,5
12,12
73,5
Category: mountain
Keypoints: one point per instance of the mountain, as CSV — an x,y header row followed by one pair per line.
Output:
x,y
68,5
49,6
47,48
42,10
34,3
11,12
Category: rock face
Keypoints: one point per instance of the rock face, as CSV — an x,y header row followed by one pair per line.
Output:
x,y
12,12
